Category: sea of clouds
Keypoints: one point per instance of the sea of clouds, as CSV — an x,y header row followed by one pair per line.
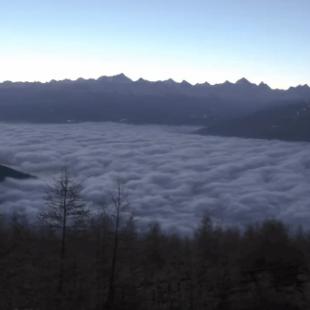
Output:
x,y
170,174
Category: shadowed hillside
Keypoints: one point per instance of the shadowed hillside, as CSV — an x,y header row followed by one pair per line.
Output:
x,y
290,122
6,172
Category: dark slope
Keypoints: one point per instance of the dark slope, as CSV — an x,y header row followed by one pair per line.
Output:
x,y
290,123
120,99
6,172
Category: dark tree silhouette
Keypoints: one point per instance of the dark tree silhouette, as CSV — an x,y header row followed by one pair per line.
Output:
x,y
65,210
119,204
109,264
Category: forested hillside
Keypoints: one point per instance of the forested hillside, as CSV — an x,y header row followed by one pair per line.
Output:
x,y
263,267
71,258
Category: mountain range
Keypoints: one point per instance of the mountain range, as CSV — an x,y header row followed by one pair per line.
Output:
x,y
120,99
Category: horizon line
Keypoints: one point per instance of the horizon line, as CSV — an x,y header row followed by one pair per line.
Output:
x,y
171,80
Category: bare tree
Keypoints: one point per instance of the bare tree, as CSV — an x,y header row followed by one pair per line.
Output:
x,y
65,210
119,204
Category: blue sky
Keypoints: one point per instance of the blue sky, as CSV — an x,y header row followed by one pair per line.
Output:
x,y
193,40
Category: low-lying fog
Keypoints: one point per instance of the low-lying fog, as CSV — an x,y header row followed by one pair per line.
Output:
x,y
172,176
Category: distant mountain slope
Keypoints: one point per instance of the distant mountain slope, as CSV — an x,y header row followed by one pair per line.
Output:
x,y
6,172
290,122
118,98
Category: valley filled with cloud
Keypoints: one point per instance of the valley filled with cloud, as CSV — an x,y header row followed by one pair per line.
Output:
x,y
170,174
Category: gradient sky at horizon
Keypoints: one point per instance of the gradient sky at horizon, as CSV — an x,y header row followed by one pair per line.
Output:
x,y
214,41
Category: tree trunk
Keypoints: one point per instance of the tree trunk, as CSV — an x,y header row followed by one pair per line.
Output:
x,y
63,246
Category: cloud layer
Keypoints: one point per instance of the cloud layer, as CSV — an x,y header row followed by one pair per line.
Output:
x,y
171,175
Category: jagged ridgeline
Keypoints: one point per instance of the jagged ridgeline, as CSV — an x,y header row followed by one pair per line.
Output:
x,y
242,109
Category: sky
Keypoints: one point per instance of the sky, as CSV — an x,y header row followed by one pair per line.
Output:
x,y
197,40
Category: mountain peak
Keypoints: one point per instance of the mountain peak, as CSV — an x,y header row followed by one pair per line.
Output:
x,y
169,81
243,81
299,87
142,80
305,86
263,85
119,78
206,84
185,83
